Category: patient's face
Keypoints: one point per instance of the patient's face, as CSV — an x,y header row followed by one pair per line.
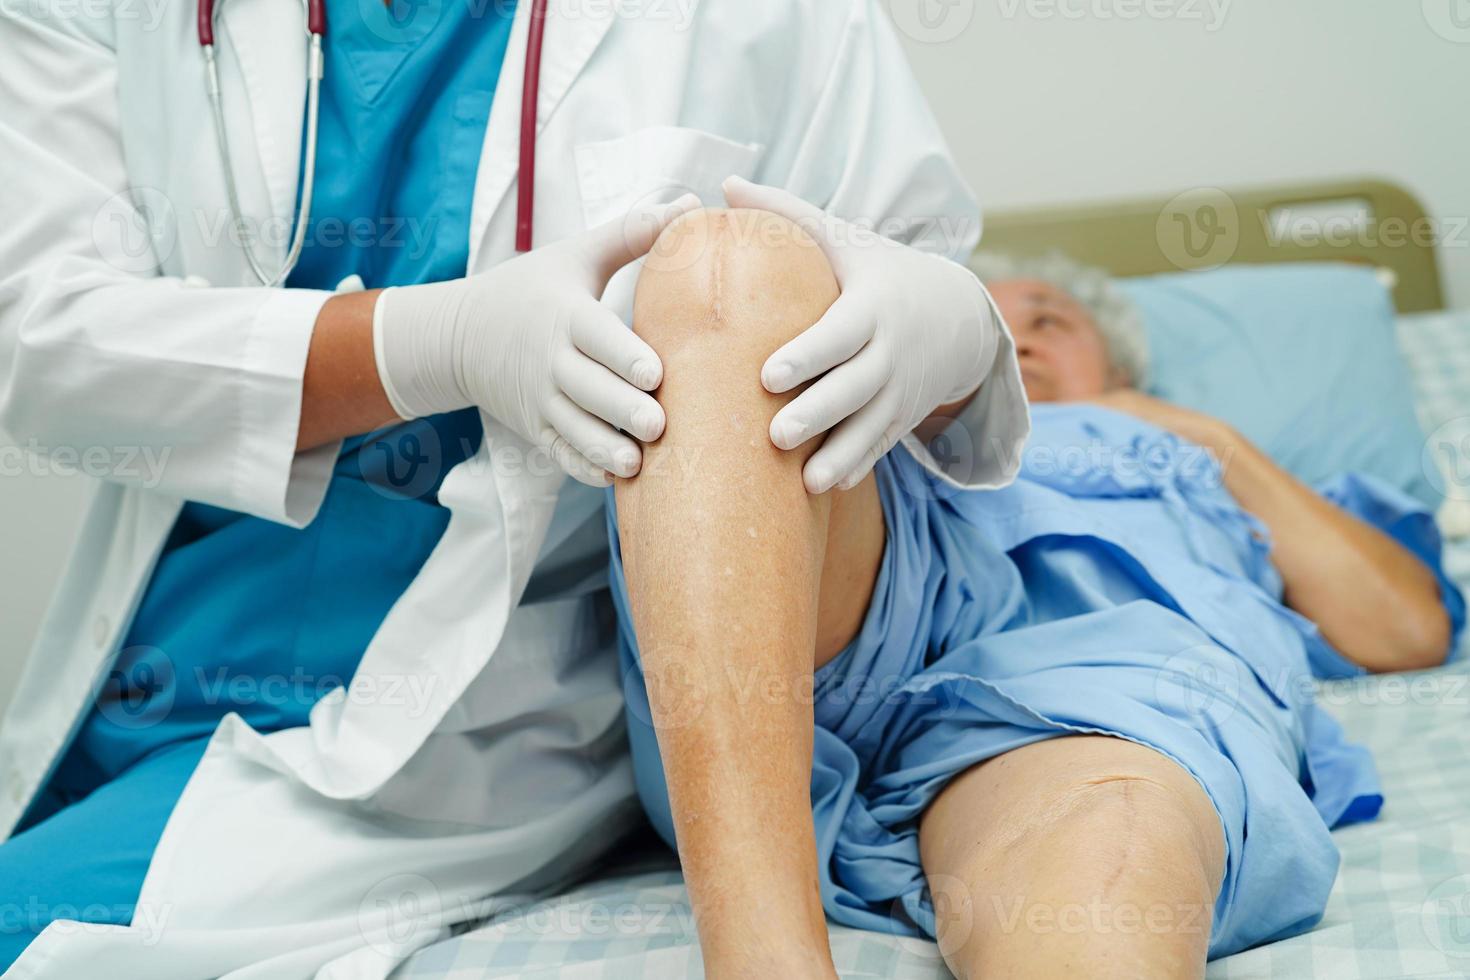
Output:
x,y
1062,354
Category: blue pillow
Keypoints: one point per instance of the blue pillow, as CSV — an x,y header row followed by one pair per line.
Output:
x,y
1300,357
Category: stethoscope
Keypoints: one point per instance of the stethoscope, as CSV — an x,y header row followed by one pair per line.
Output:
x,y
316,29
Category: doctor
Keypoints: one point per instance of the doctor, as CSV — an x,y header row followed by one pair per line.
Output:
x,y
325,689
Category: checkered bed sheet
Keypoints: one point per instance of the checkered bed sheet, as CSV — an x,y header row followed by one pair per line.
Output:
x,y
1437,348
1400,908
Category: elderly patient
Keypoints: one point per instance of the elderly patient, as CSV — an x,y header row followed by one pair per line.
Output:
x,y
1079,339
1065,727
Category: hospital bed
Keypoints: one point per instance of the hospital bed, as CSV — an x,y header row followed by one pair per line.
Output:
x,y
1401,904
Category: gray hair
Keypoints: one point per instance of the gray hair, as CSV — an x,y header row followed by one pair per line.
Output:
x,y
1117,319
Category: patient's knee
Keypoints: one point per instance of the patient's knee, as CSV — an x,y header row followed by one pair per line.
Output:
x,y
1133,805
720,292
735,282
1134,815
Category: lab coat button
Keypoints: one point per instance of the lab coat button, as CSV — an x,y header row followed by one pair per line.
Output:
x,y
101,629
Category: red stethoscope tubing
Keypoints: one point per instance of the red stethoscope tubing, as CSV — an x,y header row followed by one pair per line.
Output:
x,y
316,23
316,20
530,88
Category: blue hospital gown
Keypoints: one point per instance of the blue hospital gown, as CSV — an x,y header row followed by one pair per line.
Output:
x,y
1116,565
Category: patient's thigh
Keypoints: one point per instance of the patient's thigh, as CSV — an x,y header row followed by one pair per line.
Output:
x,y
855,544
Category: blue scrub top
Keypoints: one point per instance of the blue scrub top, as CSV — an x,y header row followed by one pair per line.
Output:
x,y
246,615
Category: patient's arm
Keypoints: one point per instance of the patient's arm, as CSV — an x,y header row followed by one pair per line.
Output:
x,y
724,553
1372,598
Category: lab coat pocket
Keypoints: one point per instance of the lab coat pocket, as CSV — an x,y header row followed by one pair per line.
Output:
x,y
657,164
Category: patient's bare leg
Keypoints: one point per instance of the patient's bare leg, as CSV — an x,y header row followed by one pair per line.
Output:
x,y
724,551
1083,855
1080,856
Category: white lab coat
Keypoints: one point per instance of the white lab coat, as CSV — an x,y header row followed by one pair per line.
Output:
x,y
129,321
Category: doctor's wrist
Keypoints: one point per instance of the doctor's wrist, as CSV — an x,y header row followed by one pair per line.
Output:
x,y
417,348
980,343
341,395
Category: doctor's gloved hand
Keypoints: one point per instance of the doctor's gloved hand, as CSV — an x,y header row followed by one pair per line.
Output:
x,y
529,343
909,333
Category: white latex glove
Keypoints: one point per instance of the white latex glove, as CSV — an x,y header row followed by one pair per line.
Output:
x,y
529,343
910,332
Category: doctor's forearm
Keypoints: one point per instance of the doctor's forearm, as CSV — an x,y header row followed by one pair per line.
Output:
x,y
341,394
